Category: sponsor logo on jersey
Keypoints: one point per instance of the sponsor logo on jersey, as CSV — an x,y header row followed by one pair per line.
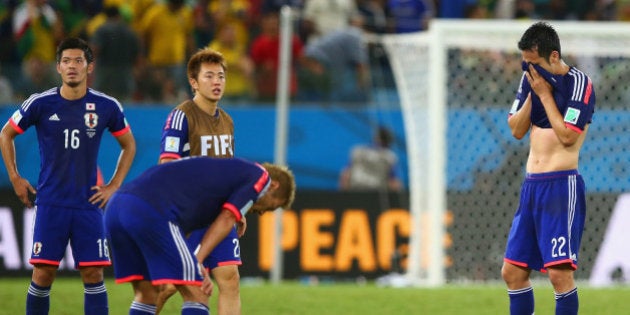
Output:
x,y
91,120
37,248
171,144
572,115
17,116
54,117
90,106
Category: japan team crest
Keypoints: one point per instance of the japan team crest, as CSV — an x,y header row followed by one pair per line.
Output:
x,y
37,248
91,120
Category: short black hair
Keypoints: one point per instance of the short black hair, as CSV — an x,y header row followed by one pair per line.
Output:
x,y
542,37
75,43
384,136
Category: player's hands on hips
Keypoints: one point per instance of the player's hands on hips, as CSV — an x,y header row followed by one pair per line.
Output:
x,y
241,226
22,189
102,195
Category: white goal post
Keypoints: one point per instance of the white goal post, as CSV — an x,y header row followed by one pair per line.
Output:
x,y
420,66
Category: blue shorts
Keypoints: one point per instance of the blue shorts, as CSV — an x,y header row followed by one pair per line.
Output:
x,y
227,252
547,227
55,226
146,246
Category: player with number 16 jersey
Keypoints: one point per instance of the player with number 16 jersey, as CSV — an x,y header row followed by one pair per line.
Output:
x,y
69,122
69,135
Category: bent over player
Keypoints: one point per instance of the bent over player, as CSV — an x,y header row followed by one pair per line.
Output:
x,y
70,122
199,127
554,103
147,219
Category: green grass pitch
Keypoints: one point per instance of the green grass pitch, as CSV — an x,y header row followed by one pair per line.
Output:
x,y
291,298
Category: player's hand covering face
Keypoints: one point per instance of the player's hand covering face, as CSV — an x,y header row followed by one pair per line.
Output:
x,y
548,76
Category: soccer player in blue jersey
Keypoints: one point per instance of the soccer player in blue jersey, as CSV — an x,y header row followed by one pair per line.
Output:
x,y
148,218
554,103
70,121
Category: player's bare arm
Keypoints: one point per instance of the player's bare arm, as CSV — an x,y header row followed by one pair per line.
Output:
x,y
21,186
520,121
217,231
241,226
128,151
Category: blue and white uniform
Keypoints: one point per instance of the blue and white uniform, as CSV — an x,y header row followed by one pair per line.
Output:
x,y
69,135
147,219
547,227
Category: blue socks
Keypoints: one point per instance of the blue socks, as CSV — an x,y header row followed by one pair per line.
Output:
x,y
37,300
567,303
521,301
189,308
138,308
193,308
95,298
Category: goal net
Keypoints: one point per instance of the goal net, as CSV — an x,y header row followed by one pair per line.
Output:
x,y
455,84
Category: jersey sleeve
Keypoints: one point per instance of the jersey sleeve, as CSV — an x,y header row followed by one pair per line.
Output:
x,y
521,95
118,124
25,116
242,199
174,142
581,101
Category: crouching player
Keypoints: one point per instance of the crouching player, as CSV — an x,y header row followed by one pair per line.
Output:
x,y
147,219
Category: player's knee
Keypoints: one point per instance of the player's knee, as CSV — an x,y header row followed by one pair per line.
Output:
x,y
144,292
192,294
514,276
167,290
44,275
91,274
561,277
229,281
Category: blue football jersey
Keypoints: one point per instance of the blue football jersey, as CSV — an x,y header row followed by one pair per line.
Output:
x,y
192,191
69,135
573,93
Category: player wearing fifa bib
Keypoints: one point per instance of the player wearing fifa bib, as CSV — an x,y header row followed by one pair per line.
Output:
x,y
69,122
554,104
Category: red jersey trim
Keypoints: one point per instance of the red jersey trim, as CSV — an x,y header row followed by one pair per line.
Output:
x,y
121,131
262,181
176,282
129,279
516,263
230,263
520,264
15,126
589,91
95,263
170,156
230,207
44,261
574,128
560,262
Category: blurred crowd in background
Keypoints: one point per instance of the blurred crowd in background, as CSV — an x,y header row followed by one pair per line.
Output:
x,y
142,46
